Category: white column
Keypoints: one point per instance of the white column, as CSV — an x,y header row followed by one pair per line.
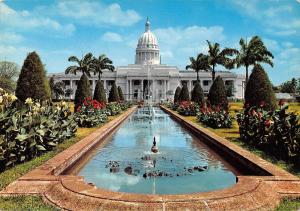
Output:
x,y
130,92
190,86
153,90
127,89
142,82
165,90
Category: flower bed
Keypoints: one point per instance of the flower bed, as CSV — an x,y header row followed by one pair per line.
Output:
x,y
276,132
30,129
91,113
188,108
215,118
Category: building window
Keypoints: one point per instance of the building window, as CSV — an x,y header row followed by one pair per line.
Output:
x,y
136,82
183,83
67,82
206,82
76,82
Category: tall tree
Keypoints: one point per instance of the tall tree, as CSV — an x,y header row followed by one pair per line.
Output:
x,y
32,82
199,63
86,66
252,53
216,56
101,63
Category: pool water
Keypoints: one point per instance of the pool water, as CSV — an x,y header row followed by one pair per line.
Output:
x,y
183,163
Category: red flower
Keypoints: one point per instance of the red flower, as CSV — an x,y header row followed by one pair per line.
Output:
x,y
268,123
78,109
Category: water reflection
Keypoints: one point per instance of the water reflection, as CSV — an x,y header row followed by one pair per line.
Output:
x,y
170,171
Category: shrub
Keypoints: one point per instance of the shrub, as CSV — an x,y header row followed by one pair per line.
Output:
x,y
188,108
91,113
197,94
114,108
32,82
120,92
184,94
83,91
177,94
113,94
275,131
259,89
217,94
215,118
99,93
31,130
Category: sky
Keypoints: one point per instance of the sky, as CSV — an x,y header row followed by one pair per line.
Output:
x,y
58,29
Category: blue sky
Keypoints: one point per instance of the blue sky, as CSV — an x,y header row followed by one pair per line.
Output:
x,y
57,29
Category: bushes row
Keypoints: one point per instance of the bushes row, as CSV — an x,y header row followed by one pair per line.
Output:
x,y
275,131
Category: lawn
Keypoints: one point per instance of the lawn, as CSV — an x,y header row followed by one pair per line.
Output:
x,y
10,175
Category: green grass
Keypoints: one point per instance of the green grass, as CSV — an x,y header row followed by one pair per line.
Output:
x,y
289,205
25,203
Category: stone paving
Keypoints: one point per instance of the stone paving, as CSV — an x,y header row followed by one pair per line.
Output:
x,y
262,190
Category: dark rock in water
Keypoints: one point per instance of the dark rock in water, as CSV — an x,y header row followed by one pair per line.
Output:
x,y
160,174
200,168
145,175
146,157
190,170
177,175
114,169
128,170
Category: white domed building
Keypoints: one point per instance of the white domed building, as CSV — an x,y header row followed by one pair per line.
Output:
x,y
149,79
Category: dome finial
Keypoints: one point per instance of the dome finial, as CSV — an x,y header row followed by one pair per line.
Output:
x,y
147,25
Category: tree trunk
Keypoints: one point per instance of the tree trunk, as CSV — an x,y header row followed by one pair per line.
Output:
x,y
198,76
213,74
246,76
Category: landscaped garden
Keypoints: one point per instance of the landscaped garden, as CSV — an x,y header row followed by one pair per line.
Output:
x,y
34,128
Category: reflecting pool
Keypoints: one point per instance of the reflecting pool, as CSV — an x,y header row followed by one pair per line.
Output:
x,y
183,163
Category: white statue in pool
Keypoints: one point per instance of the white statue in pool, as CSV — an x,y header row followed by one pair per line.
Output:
x,y
154,148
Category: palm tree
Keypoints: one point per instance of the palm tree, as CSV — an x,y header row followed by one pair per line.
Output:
x,y
85,65
253,52
200,63
102,63
217,56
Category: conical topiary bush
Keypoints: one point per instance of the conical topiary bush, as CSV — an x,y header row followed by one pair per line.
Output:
x,y
259,89
177,95
113,94
99,93
83,91
217,94
197,94
184,94
32,82
120,92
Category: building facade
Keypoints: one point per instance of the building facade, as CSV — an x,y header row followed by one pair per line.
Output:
x,y
149,79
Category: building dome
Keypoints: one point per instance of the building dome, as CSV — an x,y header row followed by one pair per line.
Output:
x,y
147,51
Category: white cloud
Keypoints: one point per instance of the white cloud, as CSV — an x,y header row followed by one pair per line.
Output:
x,y
280,19
98,13
26,20
10,37
111,37
185,42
